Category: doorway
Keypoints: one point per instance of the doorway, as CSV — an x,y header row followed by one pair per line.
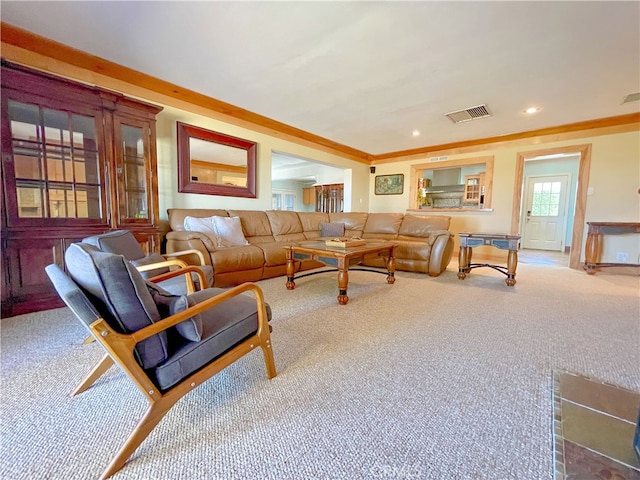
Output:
x,y
579,181
545,212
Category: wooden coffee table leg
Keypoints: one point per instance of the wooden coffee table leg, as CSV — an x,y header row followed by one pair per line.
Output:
x,y
290,270
343,280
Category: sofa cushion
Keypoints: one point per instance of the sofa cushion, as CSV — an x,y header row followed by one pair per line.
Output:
x,y
283,223
254,224
332,229
383,226
353,222
311,223
274,253
121,296
423,225
235,259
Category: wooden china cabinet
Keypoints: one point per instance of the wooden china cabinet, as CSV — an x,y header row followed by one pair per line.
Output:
x,y
77,160
330,198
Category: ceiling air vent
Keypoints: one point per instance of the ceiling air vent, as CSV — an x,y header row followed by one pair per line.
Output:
x,y
632,97
467,114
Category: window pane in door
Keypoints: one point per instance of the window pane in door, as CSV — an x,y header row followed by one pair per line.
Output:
x,y
546,199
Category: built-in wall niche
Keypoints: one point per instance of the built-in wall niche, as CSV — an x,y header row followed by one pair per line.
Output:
x,y
463,184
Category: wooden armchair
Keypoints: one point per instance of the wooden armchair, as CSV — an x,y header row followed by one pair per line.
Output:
x,y
123,242
167,344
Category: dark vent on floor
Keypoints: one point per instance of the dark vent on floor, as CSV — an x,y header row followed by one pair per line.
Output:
x,y
632,97
467,114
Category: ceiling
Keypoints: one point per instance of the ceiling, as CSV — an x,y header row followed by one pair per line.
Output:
x,y
367,74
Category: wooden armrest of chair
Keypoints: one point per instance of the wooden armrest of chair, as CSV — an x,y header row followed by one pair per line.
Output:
x,y
173,320
166,263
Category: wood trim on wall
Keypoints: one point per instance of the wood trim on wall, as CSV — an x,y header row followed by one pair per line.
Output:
x,y
581,195
23,39
572,131
27,48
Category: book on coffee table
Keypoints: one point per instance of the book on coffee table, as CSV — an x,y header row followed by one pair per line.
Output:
x,y
344,242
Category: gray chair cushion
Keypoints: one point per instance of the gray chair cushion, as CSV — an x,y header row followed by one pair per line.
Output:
x,y
178,286
120,242
169,304
72,296
121,296
149,259
123,242
223,326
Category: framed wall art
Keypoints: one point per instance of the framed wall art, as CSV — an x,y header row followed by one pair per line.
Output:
x,y
389,184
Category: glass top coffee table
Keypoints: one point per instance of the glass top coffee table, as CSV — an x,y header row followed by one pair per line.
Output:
x,y
342,259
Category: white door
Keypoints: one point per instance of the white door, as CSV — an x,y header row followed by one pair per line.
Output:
x,y
545,212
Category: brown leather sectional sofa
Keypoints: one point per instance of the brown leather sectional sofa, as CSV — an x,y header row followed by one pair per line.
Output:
x,y
424,242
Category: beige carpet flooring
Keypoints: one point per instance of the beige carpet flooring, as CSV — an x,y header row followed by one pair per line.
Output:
x,y
429,378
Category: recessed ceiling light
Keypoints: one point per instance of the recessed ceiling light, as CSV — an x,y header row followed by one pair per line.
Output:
x,y
415,133
532,110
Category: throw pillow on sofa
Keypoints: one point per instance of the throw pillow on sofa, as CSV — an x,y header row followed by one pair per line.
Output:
x,y
229,231
332,229
224,231
201,225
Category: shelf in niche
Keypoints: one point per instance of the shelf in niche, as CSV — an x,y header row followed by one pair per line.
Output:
x,y
449,210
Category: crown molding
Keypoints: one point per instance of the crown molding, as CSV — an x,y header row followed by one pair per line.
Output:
x,y
31,42
28,43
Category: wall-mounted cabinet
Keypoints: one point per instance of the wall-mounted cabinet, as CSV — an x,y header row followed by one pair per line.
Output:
x,y
309,196
474,189
76,161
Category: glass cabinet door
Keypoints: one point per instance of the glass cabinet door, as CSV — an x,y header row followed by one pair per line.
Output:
x,y
54,168
133,171
472,188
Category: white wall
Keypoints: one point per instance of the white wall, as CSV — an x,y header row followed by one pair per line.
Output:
x,y
169,197
614,177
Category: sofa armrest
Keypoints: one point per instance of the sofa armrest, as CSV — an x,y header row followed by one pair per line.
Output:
x,y
187,253
436,234
441,251
182,241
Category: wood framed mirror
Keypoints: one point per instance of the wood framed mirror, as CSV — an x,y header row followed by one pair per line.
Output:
x,y
212,163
